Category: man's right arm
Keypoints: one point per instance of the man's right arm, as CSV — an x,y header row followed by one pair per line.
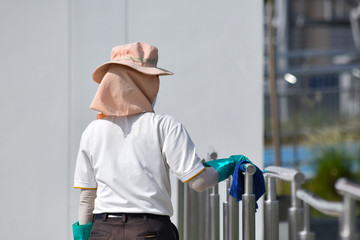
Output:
x,y
204,180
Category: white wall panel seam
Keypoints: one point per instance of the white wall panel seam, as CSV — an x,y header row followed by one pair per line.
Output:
x,y
68,148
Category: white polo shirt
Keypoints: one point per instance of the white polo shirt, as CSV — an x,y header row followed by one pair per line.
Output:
x,y
127,159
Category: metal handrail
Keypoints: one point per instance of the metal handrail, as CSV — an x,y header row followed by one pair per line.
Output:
x,y
192,204
350,192
295,212
345,211
299,218
286,174
334,209
346,187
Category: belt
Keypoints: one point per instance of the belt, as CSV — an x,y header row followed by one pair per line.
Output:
x,y
125,216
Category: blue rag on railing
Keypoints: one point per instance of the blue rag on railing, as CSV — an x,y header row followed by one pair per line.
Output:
x,y
237,185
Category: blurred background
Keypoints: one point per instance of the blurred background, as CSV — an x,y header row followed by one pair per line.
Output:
x,y
312,82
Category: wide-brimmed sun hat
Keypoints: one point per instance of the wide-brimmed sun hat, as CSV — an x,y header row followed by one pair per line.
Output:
x,y
140,56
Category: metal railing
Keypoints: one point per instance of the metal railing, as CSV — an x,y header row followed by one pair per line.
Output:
x,y
328,208
345,211
295,212
199,213
350,192
299,216
202,210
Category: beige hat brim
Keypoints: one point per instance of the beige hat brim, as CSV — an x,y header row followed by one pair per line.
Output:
x,y
100,72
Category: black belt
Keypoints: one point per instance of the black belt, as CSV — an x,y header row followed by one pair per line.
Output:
x,y
125,216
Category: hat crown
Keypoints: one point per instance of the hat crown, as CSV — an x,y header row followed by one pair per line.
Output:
x,y
139,53
140,56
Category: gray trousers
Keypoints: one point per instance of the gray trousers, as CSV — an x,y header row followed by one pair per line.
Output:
x,y
125,226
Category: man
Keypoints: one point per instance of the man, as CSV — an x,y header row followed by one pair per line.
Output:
x,y
126,154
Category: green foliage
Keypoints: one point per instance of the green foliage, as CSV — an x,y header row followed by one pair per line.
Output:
x,y
337,153
331,164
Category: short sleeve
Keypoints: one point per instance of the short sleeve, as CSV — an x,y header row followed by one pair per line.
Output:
x,y
84,177
180,153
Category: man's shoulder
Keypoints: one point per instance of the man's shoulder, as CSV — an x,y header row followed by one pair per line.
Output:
x,y
90,127
167,119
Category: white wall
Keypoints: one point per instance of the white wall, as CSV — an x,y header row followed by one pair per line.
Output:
x,y
48,51
34,98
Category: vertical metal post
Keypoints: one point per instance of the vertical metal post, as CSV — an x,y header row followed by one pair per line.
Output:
x,y
306,234
348,219
248,205
207,215
214,213
191,214
233,219
231,215
194,213
226,212
201,215
295,213
271,206
214,208
188,208
350,191
187,213
334,209
181,209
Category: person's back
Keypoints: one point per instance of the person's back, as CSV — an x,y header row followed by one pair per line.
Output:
x,y
126,154
131,156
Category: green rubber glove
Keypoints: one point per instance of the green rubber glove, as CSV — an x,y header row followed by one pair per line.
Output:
x,y
225,166
81,232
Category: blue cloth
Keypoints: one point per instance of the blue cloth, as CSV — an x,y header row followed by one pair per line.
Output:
x,y
237,185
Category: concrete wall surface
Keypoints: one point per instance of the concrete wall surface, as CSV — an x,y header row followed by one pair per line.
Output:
x,y
48,51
